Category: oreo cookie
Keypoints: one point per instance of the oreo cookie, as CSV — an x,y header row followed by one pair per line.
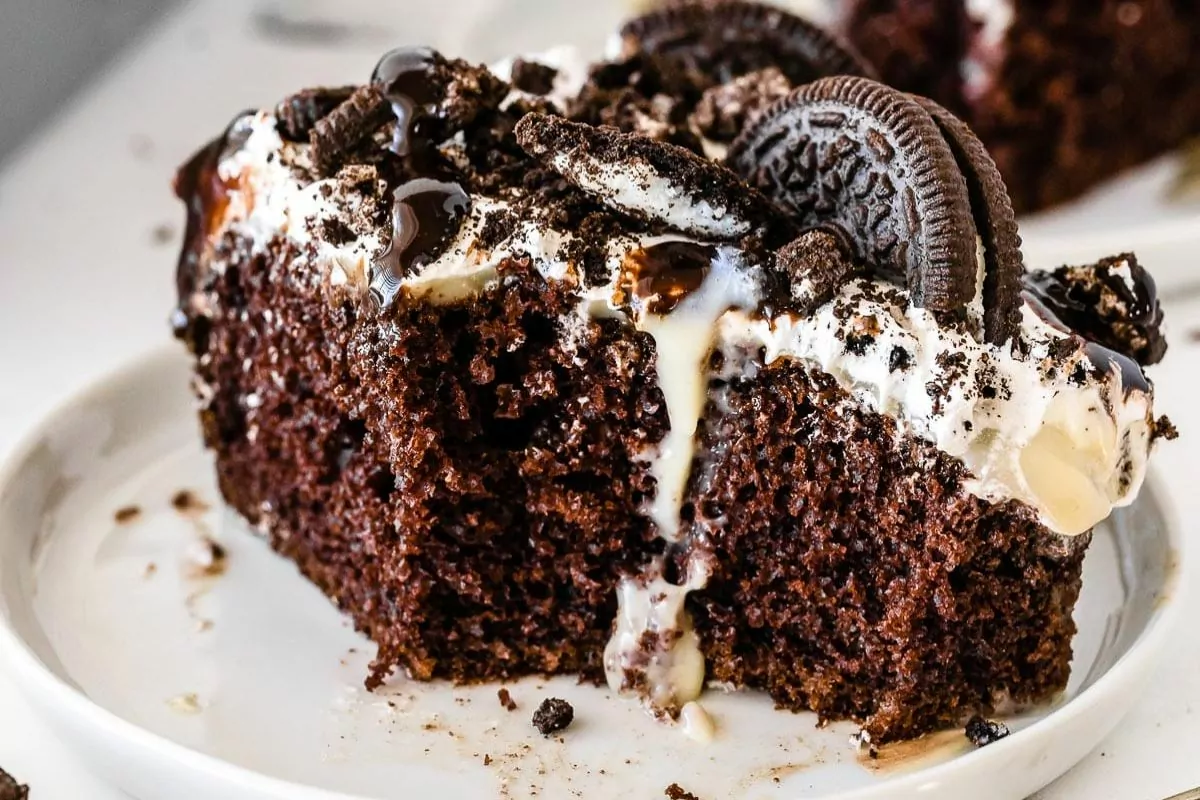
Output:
x,y
648,179
1113,302
815,265
724,39
873,160
298,113
724,110
995,221
336,134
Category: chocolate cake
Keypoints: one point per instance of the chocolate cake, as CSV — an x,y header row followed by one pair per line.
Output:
x,y
703,363
1064,94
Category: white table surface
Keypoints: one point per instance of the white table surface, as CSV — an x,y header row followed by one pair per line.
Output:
x,y
86,281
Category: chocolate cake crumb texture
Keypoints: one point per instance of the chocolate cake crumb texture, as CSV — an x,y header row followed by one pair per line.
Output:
x,y
982,732
127,514
10,789
553,715
1060,96
677,792
506,699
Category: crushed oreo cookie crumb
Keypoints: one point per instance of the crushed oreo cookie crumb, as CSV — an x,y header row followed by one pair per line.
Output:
x,y
1164,429
816,264
982,732
553,715
335,135
728,107
677,792
296,115
899,359
532,77
10,789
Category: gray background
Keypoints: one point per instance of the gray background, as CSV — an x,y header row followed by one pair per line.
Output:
x,y
49,49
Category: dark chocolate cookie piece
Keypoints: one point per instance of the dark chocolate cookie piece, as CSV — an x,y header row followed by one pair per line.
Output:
x,y
1113,302
648,179
10,789
553,715
870,159
727,38
334,136
533,77
815,265
297,113
725,109
994,220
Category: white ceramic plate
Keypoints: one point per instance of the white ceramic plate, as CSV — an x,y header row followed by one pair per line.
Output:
x,y
248,685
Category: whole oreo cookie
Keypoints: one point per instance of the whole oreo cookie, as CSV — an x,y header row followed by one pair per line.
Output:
x,y
727,38
873,160
995,221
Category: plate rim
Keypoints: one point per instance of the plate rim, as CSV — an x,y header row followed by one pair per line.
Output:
x,y
44,688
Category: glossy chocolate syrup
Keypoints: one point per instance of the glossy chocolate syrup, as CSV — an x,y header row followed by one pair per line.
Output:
x,y
1074,304
1070,300
1105,360
1046,296
426,216
429,207
665,274
205,195
406,75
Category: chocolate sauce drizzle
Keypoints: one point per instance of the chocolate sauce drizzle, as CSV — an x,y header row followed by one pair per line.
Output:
x,y
429,208
199,185
668,272
404,74
1121,311
1075,299
426,214
1105,360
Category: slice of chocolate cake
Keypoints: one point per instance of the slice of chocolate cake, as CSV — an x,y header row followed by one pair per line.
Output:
x,y
527,382
1064,94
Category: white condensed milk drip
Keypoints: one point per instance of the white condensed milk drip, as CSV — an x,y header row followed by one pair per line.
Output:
x,y
670,675
683,339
